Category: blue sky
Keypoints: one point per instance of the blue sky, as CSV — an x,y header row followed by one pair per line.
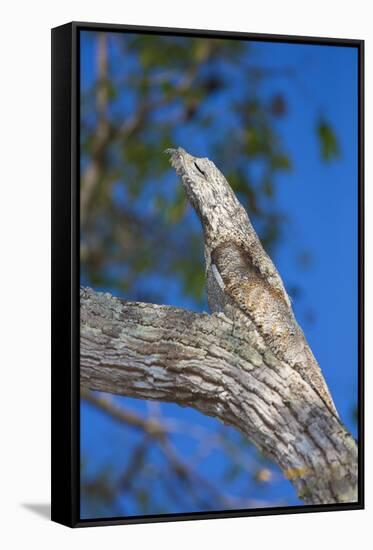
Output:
x,y
321,202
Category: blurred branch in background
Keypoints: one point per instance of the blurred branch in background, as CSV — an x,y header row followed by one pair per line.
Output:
x,y
206,495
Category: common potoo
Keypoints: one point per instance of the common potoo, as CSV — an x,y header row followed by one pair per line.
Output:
x,y
241,280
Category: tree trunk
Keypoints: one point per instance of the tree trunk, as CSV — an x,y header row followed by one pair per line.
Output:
x,y
209,363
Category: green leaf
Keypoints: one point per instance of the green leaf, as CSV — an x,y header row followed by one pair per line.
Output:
x,y
329,146
280,161
267,186
177,208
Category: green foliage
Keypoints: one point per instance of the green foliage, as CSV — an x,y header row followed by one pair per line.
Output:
x,y
280,161
329,146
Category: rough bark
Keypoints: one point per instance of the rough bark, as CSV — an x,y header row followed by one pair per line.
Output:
x,y
223,370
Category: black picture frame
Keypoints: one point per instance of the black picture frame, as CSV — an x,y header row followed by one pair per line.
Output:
x,y
65,273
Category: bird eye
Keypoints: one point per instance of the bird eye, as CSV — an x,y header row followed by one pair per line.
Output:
x,y
199,170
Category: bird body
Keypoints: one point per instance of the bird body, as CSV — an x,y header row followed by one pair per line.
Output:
x,y
241,279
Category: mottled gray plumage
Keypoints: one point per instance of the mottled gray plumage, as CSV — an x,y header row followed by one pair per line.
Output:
x,y
241,279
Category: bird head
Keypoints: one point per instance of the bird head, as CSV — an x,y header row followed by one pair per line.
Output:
x,y
206,188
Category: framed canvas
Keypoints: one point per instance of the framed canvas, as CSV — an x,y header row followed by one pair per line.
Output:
x,y
207,274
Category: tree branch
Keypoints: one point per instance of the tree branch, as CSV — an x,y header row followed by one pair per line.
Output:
x,y
149,426
206,362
